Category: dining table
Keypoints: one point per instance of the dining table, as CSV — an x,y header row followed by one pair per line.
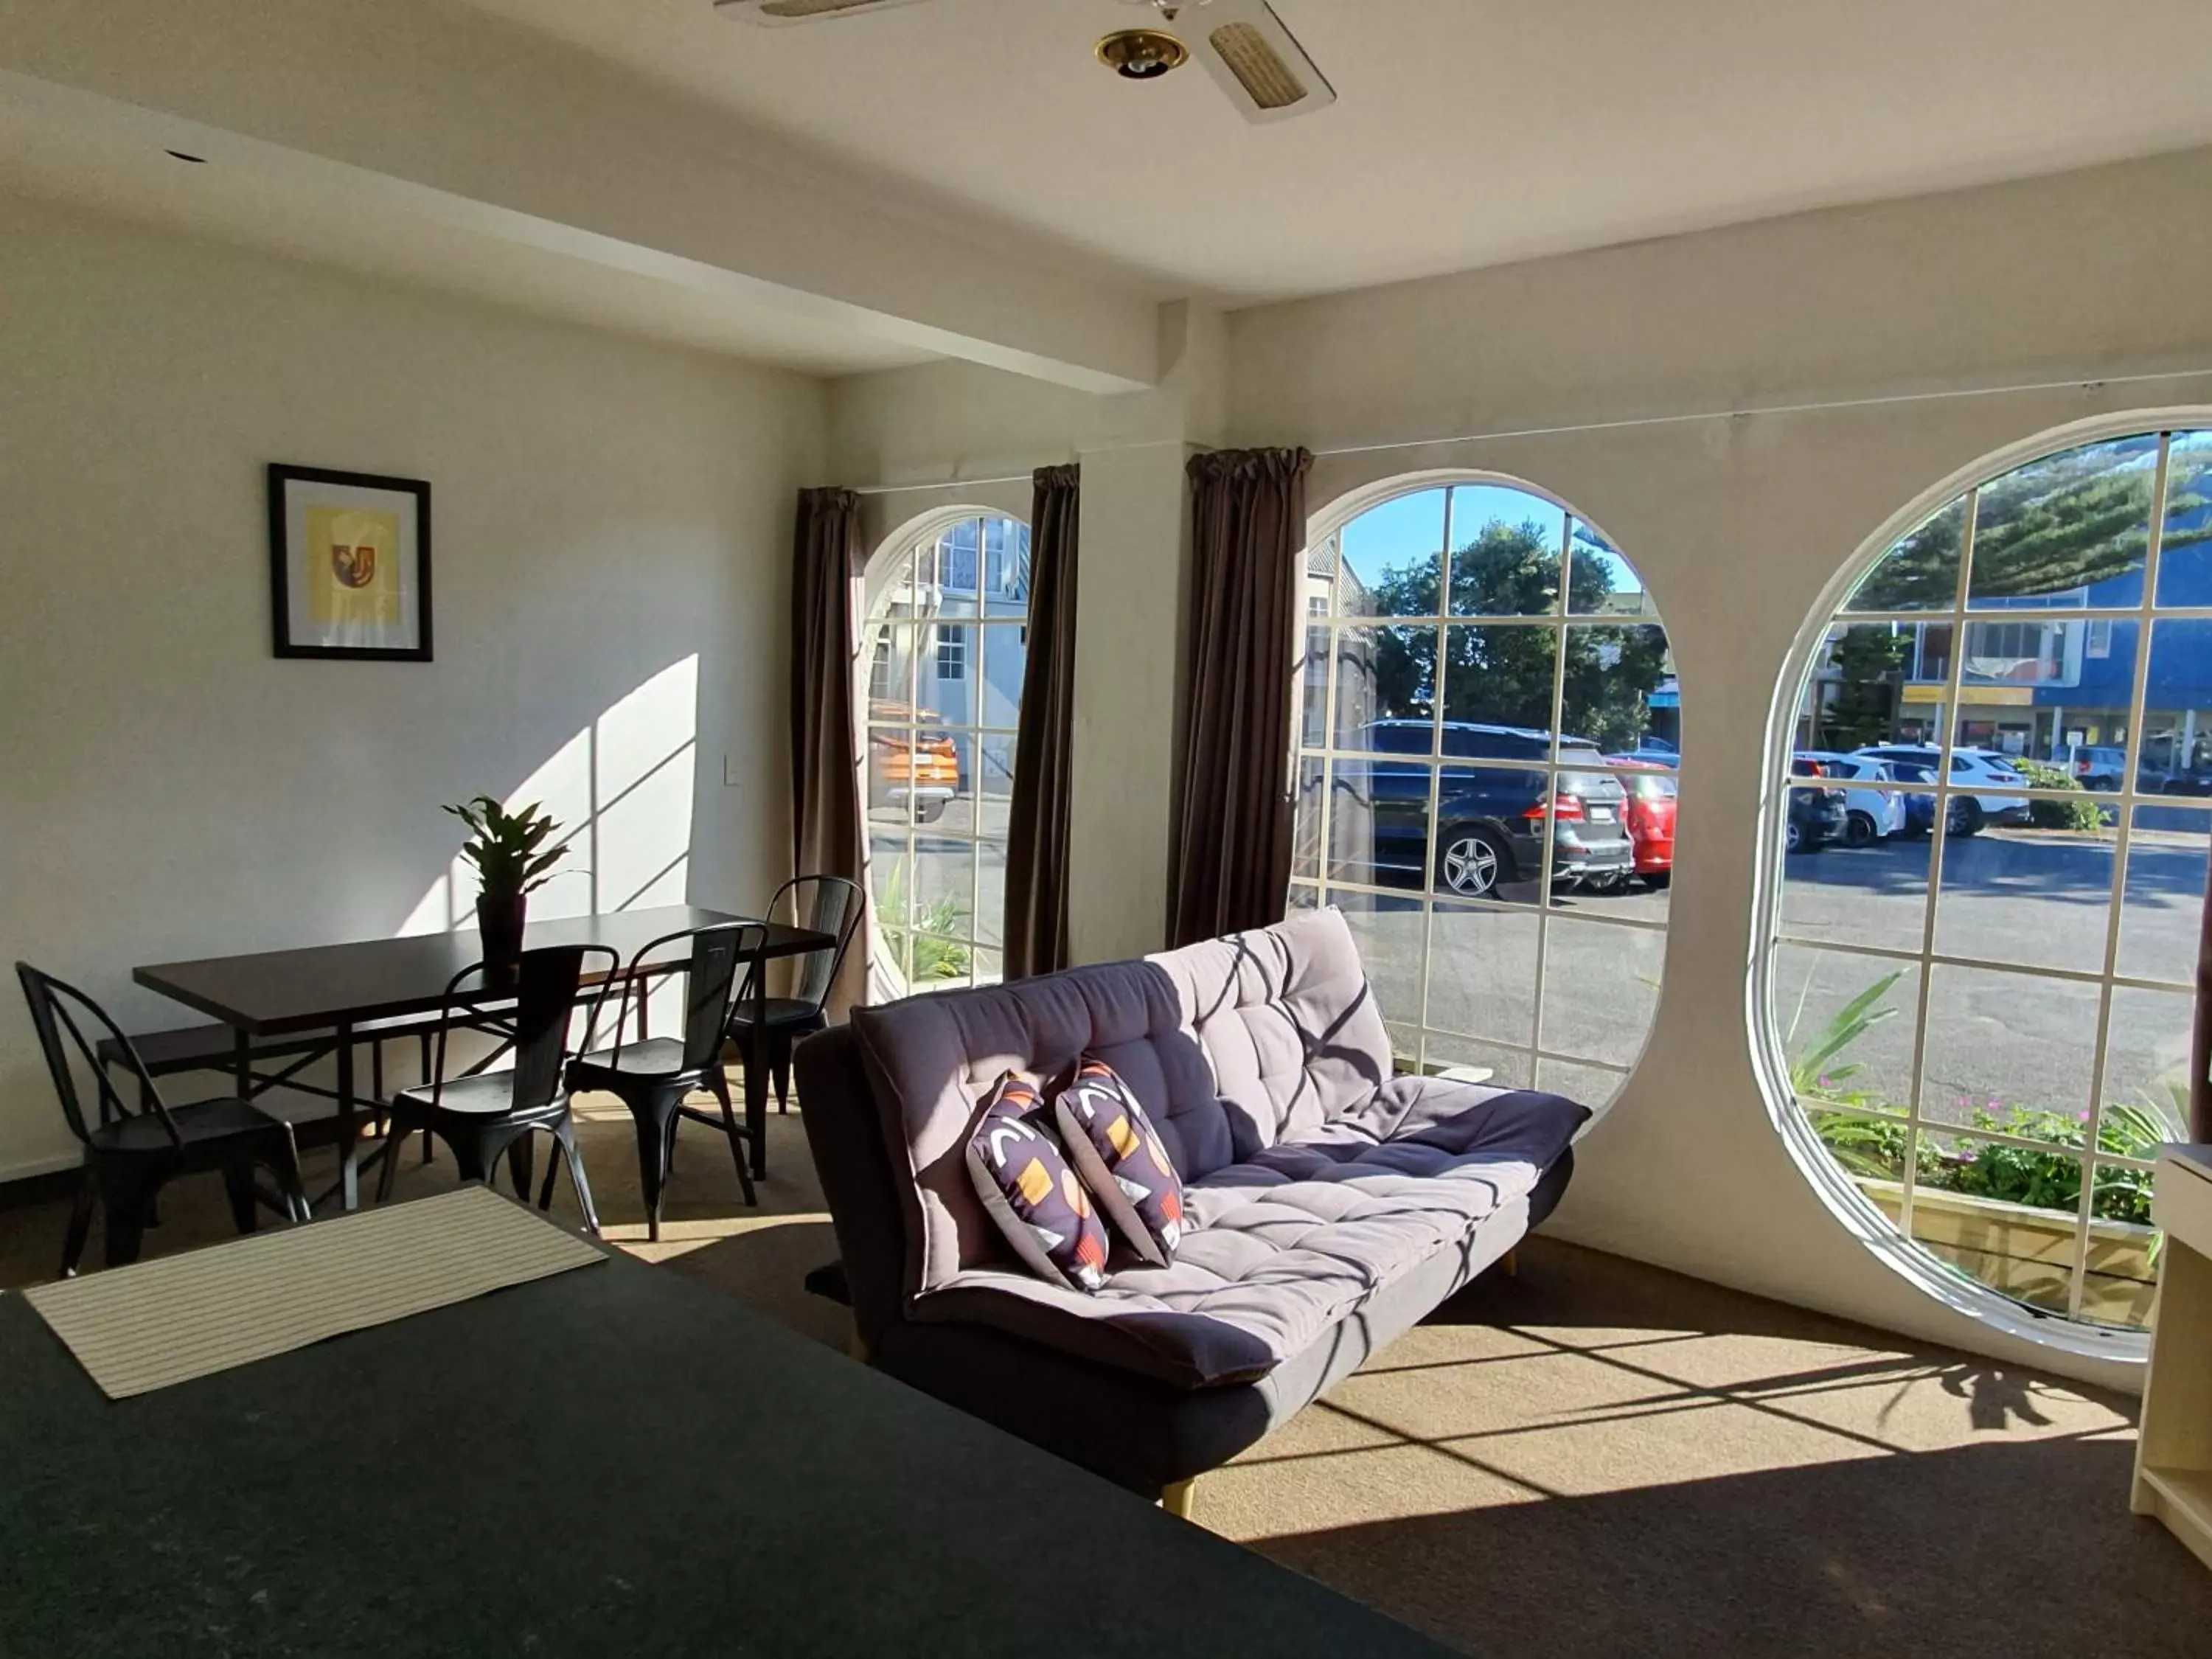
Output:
x,y
350,990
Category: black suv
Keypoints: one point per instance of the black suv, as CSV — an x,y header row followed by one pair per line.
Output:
x,y
1817,816
1490,819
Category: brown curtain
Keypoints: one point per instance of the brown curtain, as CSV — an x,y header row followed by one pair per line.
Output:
x,y
1232,848
1039,813
2200,1044
825,791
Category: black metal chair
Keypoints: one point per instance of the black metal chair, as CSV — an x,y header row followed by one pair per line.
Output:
x,y
652,1075
827,904
484,1114
129,1153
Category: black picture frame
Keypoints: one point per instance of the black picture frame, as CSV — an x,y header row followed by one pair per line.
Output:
x,y
283,477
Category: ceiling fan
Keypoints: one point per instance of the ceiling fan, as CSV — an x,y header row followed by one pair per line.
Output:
x,y
1245,47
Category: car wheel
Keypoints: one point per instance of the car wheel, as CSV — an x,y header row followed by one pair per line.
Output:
x,y
1859,830
1472,863
1796,842
1965,816
1657,880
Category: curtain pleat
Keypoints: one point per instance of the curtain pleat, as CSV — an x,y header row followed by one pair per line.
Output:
x,y
825,791
1039,813
1231,864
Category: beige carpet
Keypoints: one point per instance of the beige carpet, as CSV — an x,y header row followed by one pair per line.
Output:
x,y
1595,1458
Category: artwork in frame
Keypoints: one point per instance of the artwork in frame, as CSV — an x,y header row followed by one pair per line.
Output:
x,y
349,564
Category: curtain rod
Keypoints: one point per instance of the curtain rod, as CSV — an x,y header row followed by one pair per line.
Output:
x,y
1569,430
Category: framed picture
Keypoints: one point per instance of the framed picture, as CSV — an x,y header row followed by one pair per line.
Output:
x,y
349,564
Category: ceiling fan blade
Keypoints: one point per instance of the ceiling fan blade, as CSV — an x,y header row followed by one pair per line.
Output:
x,y
779,12
1255,60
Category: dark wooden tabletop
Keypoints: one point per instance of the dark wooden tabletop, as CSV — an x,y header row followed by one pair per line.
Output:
x,y
313,989
617,1461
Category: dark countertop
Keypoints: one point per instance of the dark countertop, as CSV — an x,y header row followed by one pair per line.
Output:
x,y
614,1461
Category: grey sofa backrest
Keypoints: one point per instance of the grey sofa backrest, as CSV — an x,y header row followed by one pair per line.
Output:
x,y
1229,1045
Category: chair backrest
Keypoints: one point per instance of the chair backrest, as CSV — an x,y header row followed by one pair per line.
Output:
x,y
826,904
543,984
59,1014
710,984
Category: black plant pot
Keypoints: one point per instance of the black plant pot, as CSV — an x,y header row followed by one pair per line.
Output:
x,y
498,923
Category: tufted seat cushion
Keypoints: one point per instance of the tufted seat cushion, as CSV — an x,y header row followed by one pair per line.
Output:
x,y
1296,1238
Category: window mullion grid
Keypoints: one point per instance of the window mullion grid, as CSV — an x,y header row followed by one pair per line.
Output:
x,y
1550,784
1434,842
1937,839
2123,823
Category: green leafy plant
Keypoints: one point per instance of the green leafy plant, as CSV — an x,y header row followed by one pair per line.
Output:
x,y
934,955
508,849
1818,1066
2057,814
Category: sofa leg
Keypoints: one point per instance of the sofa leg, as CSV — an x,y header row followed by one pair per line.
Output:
x,y
1177,1498
1511,1262
855,1346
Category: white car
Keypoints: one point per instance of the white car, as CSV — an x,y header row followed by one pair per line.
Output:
x,y
1871,812
1972,770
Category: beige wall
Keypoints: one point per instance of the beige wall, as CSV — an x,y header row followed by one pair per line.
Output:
x,y
611,533
1738,523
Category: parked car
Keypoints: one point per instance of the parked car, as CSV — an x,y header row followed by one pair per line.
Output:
x,y
2093,765
1870,812
1919,808
1650,816
1655,751
1491,820
903,766
1971,771
1816,817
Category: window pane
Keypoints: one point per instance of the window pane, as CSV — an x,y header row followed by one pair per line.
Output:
x,y
1463,1061
1500,674
1852,698
1304,897
1492,846
892,766
1312,670
943,886
2177,729
2162,909
941,770
1379,829
2008,1051
1006,570
1601,988
1612,676
1603,583
991,892
2053,692
947,689
1384,673
2184,560
995,784
2146,1071
890,674
951,567
1920,571
1006,659
1847,1024
1482,973
1876,894
890,890
2002,1215
1388,931
1305,822
988,968
1506,552
2042,901
2071,529
1394,558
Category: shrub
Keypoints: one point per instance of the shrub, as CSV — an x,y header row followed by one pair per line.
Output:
x,y
2057,814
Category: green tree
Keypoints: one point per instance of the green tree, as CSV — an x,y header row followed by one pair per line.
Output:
x,y
1501,673
1864,657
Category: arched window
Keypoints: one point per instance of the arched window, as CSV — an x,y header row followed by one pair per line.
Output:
x,y
1509,887
943,649
1985,927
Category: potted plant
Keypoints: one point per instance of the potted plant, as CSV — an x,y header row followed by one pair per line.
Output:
x,y
513,860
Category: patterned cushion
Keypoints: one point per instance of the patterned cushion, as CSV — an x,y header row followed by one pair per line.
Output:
x,y
1114,1149
1028,1190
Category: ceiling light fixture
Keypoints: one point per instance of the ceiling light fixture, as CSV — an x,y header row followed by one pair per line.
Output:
x,y
1141,54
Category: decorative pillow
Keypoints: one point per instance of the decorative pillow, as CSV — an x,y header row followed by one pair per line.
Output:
x,y
1114,1149
1023,1179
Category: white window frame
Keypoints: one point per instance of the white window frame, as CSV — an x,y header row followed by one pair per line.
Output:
x,y
983,938
1318,888
1891,1242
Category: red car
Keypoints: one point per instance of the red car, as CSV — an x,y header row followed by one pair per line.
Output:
x,y
1650,816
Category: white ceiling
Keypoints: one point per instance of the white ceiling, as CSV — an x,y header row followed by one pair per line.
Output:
x,y
1467,132
95,151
